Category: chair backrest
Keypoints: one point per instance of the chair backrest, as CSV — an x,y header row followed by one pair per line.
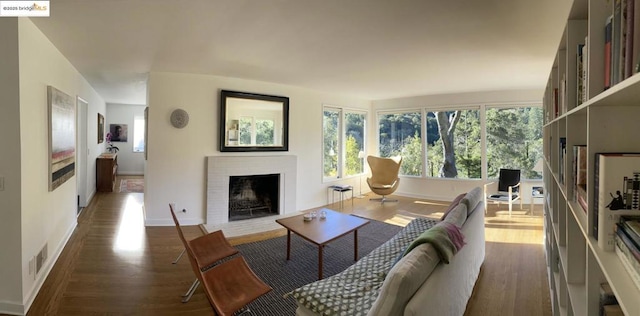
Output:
x,y
384,170
508,177
175,220
187,247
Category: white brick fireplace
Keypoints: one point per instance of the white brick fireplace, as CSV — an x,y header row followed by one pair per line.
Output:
x,y
221,168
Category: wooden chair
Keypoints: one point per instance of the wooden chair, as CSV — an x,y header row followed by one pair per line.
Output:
x,y
384,176
231,285
206,250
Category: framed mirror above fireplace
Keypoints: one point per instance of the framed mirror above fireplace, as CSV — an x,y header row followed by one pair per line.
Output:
x,y
253,122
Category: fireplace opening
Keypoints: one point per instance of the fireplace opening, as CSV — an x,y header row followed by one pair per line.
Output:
x,y
253,196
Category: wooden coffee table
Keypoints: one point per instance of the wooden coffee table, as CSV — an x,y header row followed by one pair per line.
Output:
x,y
322,231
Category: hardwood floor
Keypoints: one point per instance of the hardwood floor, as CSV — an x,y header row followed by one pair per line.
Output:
x,y
113,265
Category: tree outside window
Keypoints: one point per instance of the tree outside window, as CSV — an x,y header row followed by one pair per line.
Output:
x,y
453,140
514,140
453,144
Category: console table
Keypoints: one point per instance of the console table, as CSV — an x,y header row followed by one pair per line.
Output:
x,y
106,168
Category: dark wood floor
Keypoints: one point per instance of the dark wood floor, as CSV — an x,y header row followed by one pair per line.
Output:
x,y
113,265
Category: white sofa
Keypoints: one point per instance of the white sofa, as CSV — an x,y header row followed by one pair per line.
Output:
x,y
417,284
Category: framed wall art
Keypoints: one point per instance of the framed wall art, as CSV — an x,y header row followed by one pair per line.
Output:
x,y
62,137
118,132
100,128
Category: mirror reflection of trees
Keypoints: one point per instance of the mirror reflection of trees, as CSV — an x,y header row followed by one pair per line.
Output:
x,y
453,140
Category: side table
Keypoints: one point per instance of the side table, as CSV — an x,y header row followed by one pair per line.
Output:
x,y
342,189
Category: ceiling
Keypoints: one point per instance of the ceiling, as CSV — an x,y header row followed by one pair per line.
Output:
x,y
369,49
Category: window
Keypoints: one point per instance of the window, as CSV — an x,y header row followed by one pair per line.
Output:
x,y
400,135
343,142
514,140
257,131
138,134
454,141
453,144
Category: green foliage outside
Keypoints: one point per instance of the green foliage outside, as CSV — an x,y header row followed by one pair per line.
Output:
x,y
514,140
264,132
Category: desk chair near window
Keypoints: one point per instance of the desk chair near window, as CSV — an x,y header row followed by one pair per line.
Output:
x,y
508,189
384,176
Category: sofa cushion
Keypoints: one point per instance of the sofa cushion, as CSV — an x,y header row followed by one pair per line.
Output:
x,y
404,279
472,199
453,204
458,215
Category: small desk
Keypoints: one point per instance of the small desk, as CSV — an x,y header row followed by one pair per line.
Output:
x,y
342,190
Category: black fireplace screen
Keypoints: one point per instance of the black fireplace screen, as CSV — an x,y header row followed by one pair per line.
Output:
x,y
253,196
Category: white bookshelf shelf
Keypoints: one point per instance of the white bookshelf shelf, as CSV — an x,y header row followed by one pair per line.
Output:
x,y
606,121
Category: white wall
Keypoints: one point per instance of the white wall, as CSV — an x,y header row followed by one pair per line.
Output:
x,y
176,165
447,189
44,217
10,204
129,163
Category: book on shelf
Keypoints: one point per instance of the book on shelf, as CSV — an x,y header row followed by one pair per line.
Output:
x,y
612,310
628,261
582,198
561,154
615,42
635,55
606,297
616,193
628,45
580,173
580,75
623,238
607,52
631,226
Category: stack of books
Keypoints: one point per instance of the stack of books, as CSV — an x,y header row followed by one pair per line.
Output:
x,y
608,302
627,240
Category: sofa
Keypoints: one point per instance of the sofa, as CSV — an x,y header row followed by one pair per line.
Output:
x,y
386,283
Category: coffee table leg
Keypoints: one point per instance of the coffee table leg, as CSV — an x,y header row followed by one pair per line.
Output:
x,y
355,245
288,244
320,248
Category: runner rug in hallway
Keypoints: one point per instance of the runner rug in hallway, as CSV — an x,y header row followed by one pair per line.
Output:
x,y
132,185
268,260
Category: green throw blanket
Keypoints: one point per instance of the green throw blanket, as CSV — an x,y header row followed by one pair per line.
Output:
x,y
445,237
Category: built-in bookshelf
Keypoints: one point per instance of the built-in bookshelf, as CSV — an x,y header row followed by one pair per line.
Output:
x,y
589,106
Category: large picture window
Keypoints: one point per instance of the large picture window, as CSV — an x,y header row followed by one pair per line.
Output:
x,y
454,136
514,140
343,142
401,135
453,144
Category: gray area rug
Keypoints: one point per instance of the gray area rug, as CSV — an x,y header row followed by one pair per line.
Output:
x,y
268,260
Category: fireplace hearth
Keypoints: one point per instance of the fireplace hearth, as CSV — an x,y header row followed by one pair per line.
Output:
x,y
253,196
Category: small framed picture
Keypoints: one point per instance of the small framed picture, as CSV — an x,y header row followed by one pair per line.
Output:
x,y
118,132
100,128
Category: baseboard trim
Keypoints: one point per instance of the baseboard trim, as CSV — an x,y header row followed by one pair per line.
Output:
x,y
31,296
11,308
169,222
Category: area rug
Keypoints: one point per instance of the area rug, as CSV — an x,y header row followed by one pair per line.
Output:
x,y
132,185
268,260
